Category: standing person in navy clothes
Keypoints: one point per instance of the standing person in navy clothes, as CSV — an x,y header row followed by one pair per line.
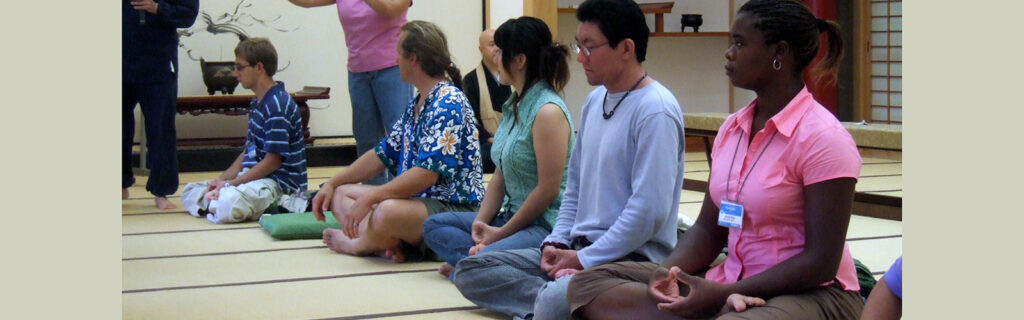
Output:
x,y
149,77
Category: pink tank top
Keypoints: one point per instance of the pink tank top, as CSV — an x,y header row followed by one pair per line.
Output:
x,y
370,37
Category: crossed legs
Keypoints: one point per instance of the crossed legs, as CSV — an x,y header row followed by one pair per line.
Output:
x,y
389,223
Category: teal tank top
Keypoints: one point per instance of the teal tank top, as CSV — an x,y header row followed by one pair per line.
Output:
x,y
513,152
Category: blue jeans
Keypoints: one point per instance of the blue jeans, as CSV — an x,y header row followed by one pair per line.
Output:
x,y
379,98
449,234
512,282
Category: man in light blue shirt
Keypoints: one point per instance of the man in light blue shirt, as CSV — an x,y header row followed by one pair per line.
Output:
x,y
625,176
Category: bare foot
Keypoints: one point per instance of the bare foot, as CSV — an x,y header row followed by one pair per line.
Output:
x,y
395,254
124,193
163,204
337,240
446,270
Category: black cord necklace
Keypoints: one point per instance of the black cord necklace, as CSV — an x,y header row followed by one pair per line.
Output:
x,y
609,114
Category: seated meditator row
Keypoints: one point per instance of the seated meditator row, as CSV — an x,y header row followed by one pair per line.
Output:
x,y
779,195
624,177
530,151
581,221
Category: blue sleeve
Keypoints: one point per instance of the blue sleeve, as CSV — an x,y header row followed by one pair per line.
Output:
x,y
650,204
179,13
441,139
389,148
894,278
276,127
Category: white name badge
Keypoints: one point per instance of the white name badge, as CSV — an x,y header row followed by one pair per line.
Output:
x,y
730,215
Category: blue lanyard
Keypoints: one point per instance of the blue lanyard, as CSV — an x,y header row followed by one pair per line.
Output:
x,y
733,162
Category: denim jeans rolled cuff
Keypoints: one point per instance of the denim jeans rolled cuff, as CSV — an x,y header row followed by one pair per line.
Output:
x,y
449,235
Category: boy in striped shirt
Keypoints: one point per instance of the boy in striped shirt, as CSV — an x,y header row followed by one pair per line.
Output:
x,y
270,174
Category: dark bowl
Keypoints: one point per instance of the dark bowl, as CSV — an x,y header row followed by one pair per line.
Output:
x,y
691,20
219,76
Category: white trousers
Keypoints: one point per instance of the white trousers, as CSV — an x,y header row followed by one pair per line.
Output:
x,y
236,203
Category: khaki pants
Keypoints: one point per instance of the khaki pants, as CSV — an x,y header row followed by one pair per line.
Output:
x,y
826,302
235,204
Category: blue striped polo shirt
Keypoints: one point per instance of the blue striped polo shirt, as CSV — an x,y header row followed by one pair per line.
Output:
x,y
275,126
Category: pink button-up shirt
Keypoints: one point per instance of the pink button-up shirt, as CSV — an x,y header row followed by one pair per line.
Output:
x,y
371,38
810,146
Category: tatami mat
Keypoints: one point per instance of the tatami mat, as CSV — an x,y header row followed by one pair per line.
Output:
x,y
146,223
890,193
868,227
877,254
252,237
881,169
303,299
884,183
348,141
699,175
175,266
165,274
147,206
691,196
468,315
696,166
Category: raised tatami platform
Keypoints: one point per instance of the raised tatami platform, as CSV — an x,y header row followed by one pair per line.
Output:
x,y
175,266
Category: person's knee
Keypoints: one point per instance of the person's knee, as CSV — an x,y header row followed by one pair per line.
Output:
x,y
468,270
342,191
578,284
434,235
192,197
387,212
551,300
434,222
227,208
340,196
589,275
520,259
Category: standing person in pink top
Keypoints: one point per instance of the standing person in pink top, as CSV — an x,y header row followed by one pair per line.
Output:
x,y
378,94
779,196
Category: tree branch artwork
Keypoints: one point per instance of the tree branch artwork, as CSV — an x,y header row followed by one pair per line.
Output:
x,y
234,22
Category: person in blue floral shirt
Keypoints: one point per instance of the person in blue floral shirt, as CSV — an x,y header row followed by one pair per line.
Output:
x,y
433,150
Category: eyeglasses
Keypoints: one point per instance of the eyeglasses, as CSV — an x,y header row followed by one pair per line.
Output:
x,y
239,67
576,47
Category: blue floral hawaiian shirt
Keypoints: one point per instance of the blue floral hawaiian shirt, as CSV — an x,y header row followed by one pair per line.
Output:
x,y
443,139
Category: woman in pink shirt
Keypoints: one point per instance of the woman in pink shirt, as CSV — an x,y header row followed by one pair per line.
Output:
x,y
779,196
377,92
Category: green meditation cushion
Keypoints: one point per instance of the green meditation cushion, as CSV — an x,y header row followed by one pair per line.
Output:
x,y
291,226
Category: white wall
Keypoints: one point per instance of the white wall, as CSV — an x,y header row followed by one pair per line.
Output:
x,y
690,67
502,10
317,54
715,13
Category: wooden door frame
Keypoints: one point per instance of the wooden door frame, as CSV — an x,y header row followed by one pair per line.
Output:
x,y
861,54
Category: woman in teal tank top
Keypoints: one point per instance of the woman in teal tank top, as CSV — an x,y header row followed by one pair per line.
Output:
x,y
531,152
